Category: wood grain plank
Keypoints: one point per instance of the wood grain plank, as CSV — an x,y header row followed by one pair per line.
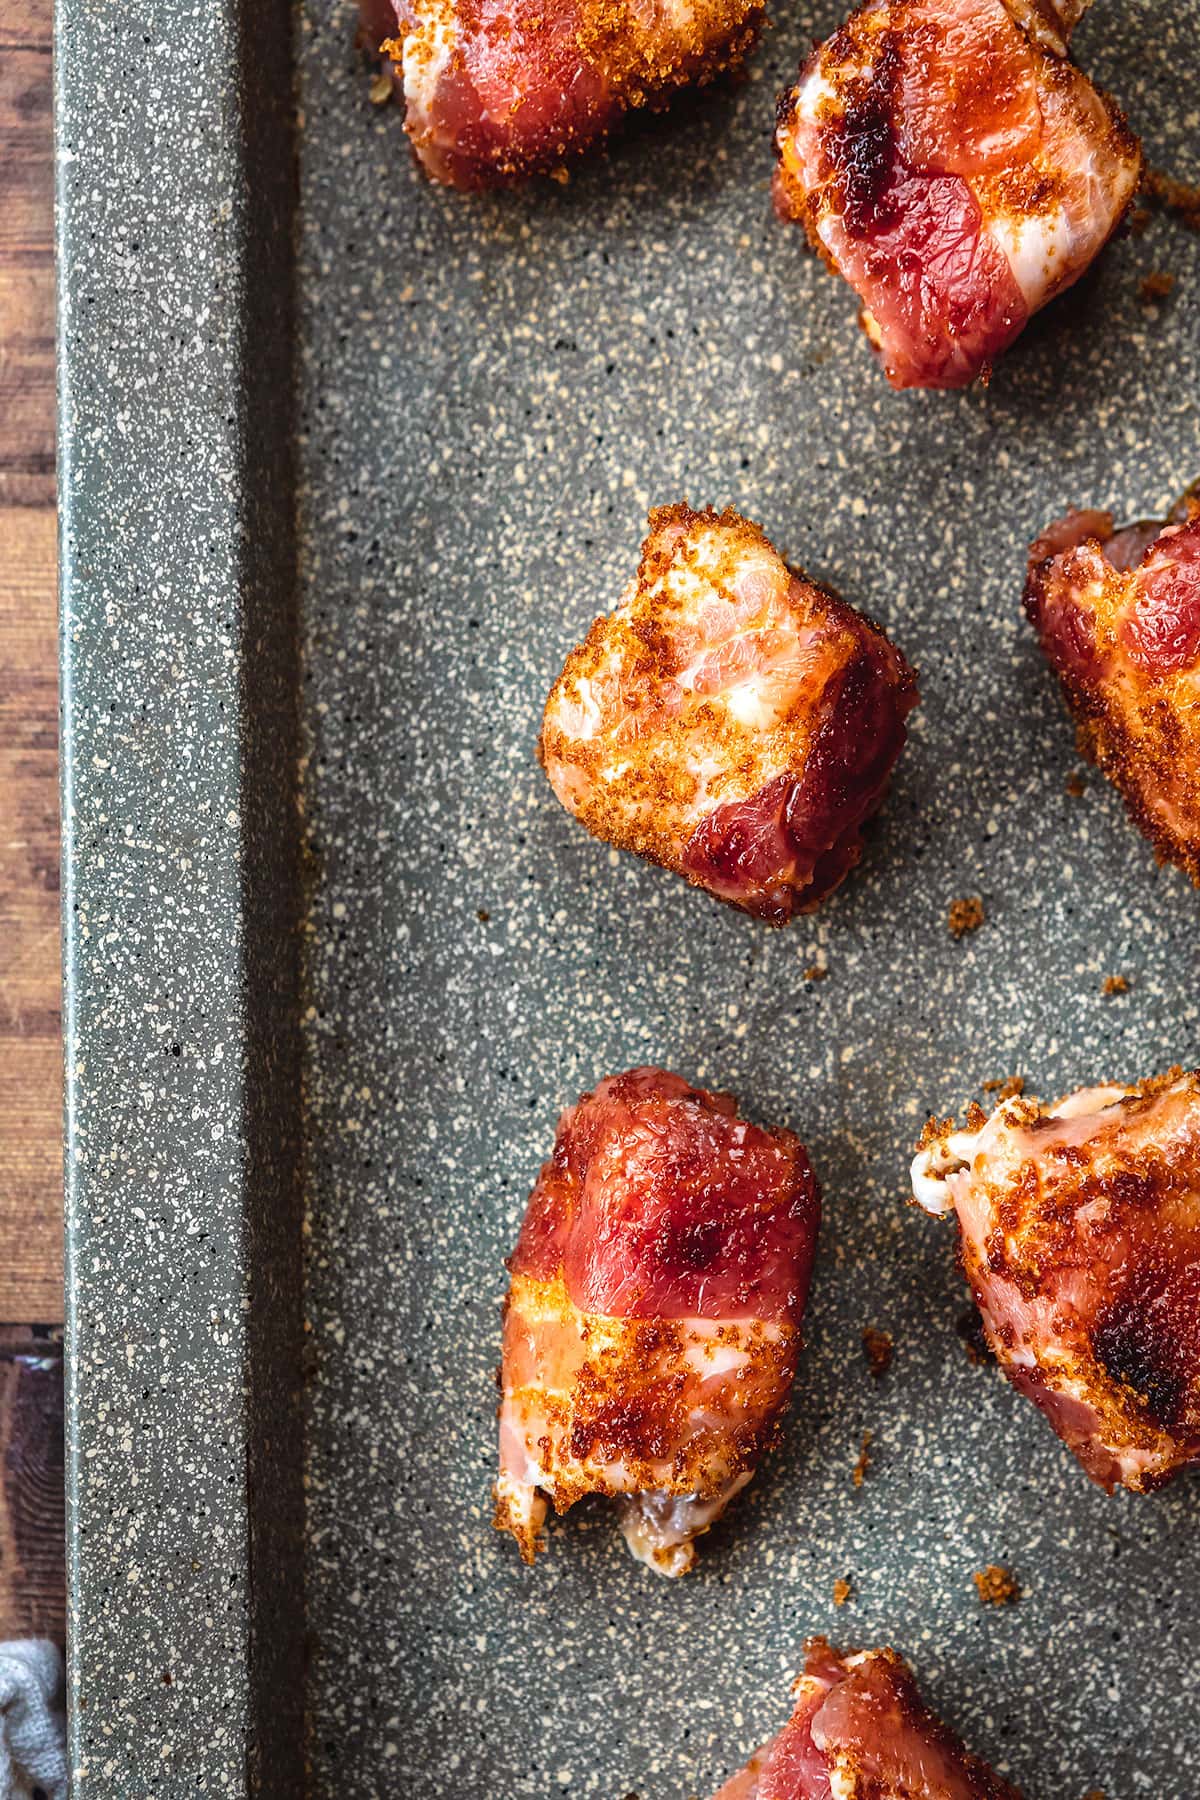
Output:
x,y
32,1593
30,1058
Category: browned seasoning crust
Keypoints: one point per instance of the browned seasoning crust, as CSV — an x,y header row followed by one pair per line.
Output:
x,y
859,1472
842,1590
879,1350
996,1585
594,1392
965,915
1115,984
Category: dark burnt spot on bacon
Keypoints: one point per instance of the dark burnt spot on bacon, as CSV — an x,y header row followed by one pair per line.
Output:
x,y
1133,1343
862,147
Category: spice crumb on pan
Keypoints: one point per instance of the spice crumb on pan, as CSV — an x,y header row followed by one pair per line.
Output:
x,y
381,89
1006,1089
1155,287
842,1590
1076,786
996,1585
1115,984
878,1348
966,914
1178,197
859,1472
482,914
815,972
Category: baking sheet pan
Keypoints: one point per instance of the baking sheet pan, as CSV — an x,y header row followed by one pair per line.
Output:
x,y
488,394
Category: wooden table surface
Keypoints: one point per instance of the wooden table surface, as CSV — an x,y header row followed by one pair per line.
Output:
x,y
31,1551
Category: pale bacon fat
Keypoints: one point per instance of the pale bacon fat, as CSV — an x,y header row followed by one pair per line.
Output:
x,y
950,162
730,719
1080,1236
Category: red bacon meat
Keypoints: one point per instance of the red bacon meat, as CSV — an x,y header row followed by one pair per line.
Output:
x,y
1079,1231
1118,614
730,720
653,1318
950,162
860,1731
498,90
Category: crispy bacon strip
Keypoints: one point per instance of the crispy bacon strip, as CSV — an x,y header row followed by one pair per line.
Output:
x,y
1079,1229
1118,614
860,1731
653,1319
947,159
498,90
730,720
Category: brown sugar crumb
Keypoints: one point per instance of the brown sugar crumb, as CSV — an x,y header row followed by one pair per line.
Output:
x,y
1076,786
1177,197
1115,984
815,972
1006,1090
1095,1794
482,914
879,1349
1155,286
996,1586
859,1472
965,915
842,1591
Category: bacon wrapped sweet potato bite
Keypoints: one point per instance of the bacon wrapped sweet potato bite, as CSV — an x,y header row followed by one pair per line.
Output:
x,y
1079,1231
498,90
861,1731
730,719
653,1319
950,162
1118,614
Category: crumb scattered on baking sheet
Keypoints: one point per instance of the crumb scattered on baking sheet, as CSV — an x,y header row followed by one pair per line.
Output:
x,y
969,1327
842,1591
482,914
859,1473
1178,197
1095,1794
381,88
965,915
1008,1089
1139,218
1076,786
815,972
1155,287
1115,984
879,1349
996,1585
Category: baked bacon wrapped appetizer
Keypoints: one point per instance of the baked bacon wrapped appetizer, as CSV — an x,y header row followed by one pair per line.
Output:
x,y
950,162
498,90
730,719
653,1320
1118,614
1079,1231
861,1731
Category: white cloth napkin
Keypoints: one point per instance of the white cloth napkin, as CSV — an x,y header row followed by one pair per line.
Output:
x,y
33,1726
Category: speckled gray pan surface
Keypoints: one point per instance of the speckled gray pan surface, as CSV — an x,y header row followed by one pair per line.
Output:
x,y
491,392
